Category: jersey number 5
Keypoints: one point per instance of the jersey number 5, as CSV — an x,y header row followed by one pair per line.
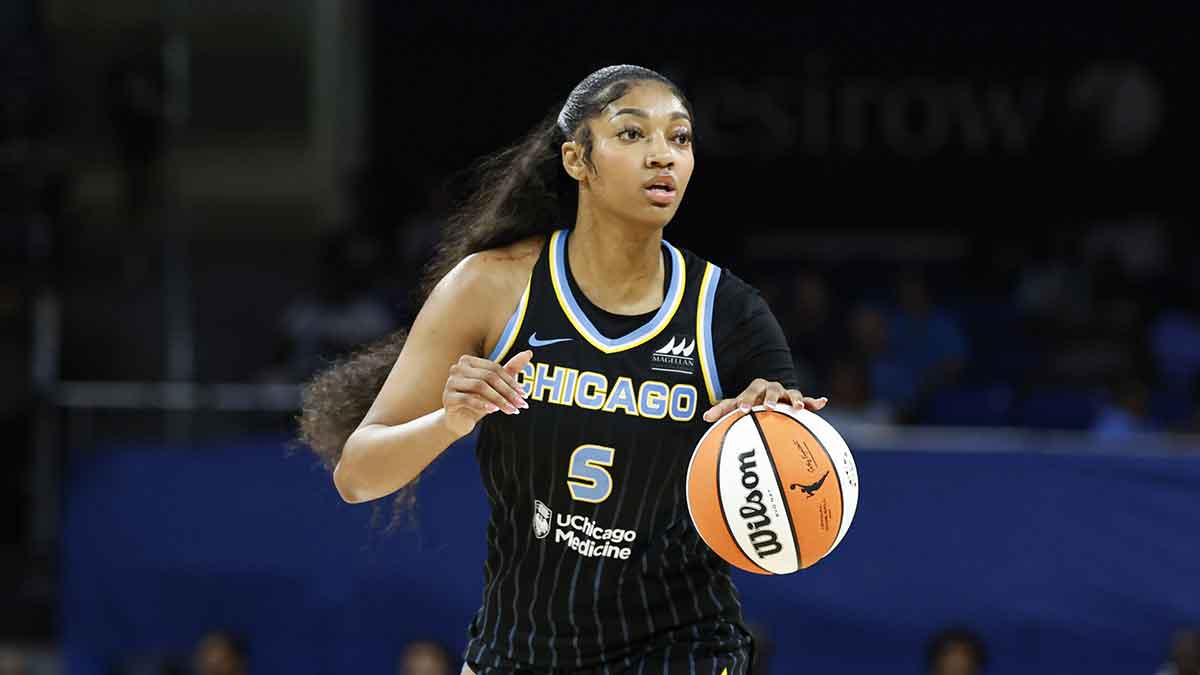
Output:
x,y
588,478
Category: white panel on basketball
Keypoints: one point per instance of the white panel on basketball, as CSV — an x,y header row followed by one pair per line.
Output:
x,y
752,500
847,471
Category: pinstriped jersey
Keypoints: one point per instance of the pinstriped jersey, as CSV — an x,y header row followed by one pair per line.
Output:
x,y
592,557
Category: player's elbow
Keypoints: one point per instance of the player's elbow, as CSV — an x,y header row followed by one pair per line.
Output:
x,y
353,479
350,490
357,478
368,468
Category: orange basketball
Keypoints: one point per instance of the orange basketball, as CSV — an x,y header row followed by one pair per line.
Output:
x,y
772,492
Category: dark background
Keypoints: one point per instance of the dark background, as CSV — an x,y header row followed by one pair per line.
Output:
x,y
1000,120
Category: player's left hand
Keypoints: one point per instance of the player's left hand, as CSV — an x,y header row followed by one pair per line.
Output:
x,y
766,393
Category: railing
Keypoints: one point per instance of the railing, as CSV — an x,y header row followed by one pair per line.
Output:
x,y
1014,439
180,396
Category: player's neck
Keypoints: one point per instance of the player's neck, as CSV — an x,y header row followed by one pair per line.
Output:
x,y
619,268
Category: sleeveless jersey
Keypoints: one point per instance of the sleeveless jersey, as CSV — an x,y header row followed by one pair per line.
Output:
x,y
592,557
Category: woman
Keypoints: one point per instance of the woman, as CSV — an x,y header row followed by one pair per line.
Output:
x,y
585,355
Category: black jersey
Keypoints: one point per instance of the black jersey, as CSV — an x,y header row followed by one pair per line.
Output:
x,y
593,561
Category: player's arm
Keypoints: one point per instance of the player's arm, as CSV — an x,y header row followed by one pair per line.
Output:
x,y
753,352
440,385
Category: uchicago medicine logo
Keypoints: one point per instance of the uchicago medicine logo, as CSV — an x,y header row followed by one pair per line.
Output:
x,y
582,534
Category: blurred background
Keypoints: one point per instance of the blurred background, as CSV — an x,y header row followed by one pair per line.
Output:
x,y
973,222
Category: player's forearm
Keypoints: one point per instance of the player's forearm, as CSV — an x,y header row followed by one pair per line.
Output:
x,y
379,459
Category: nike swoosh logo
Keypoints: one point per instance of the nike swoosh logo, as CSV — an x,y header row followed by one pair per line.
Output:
x,y
535,342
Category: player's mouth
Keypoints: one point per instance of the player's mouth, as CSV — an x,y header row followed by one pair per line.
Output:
x,y
660,189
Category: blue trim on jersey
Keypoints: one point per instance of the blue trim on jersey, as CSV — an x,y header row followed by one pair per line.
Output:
x,y
512,327
708,361
562,288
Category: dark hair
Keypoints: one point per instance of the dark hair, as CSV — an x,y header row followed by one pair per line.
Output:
x,y
516,193
956,635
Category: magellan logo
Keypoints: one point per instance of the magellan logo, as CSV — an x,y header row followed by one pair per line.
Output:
x,y
542,516
682,349
675,356
754,512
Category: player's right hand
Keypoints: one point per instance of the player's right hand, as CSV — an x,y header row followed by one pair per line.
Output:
x,y
478,387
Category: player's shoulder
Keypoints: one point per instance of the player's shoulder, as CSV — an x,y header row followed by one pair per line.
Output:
x,y
735,299
481,290
731,288
496,272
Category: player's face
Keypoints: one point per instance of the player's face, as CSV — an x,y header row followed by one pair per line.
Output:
x,y
641,136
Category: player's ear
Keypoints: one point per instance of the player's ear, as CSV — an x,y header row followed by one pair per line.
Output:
x,y
572,160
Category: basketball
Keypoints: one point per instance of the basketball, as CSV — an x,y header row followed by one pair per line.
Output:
x,y
772,491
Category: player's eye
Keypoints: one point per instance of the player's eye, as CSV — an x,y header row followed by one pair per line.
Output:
x,y
683,137
631,131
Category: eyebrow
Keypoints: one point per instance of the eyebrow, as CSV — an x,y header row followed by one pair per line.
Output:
x,y
642,113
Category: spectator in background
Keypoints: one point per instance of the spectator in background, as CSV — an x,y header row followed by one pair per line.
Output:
x,y
912,354
426,657
1054,289
13,662
220,653
887,380
810,325
1126,412
1185,655
1175,339
850,401
1139,245
1112,341
956,651
926,336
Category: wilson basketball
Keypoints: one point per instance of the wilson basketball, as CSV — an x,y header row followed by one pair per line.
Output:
x,y
772,492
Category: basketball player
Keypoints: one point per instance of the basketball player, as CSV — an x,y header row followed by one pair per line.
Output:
x,y
592,356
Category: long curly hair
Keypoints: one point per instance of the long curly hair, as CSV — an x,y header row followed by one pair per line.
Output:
x,y
518,192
